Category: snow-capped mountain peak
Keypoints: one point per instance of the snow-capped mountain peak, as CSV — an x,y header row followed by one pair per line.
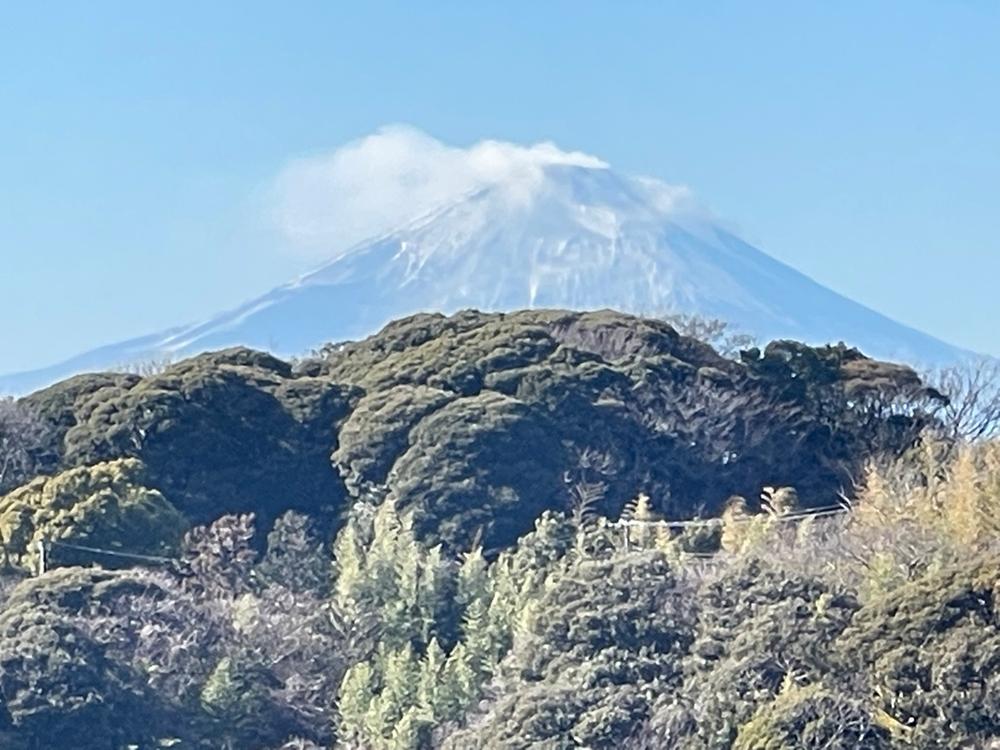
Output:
x,y
555,235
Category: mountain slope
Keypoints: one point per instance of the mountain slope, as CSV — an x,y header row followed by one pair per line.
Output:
x,y
568,237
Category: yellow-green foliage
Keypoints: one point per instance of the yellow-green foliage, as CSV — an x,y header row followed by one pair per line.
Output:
x,y
935,506
954,494
743,533
734,517
813,716
105,506
444,624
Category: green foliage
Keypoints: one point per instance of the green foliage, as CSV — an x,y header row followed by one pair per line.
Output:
x,y
932,648
390,414
23,438
423,602
760,628
58,680
462,609
354,701
815,717
381,568
235,698
106,506
473,420
606,635
227,432
139,656
566,640
445,625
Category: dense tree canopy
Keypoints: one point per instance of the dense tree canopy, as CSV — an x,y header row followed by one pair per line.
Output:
x,y
105,506
477,422
527,531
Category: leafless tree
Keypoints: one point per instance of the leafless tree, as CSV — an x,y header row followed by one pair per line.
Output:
x,y
21,436
146,368
720,334
221,556
169,634
586,483
291,636
972,412
174,637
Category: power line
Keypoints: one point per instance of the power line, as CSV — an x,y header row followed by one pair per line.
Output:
x,y
113,553
819,512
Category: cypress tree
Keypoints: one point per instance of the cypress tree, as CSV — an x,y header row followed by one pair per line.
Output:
x,y
432,674
412,730
476,638
460,684
356,695
350,566
437,589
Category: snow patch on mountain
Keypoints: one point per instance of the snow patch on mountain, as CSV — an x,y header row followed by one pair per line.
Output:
x,y
575,235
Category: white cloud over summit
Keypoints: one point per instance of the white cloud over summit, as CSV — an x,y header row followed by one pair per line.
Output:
x,y
325,204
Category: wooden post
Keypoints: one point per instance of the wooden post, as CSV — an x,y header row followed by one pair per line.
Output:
x,y
43,549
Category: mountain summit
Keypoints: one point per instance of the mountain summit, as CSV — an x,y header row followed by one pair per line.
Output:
x,y
557,235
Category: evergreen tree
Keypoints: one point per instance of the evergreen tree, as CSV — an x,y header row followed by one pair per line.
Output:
x,y
390,576
354,701
235,696
460,684
505,604
400,680
436,588
412,731
476,638
430,689
351,586
473,579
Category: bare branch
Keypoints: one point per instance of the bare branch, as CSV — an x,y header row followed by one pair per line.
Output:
x,y
720,334
973,390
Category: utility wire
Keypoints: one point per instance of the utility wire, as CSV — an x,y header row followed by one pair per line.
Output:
x,y
132,555
820,512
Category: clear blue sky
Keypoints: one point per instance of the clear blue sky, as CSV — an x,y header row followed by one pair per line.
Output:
x,y
857,141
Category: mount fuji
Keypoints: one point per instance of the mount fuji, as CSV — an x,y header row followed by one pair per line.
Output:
x,y
562,236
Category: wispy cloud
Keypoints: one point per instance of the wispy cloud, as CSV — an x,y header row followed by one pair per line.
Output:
x,y
325,204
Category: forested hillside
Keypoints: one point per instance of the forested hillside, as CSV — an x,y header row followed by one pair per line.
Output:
x,y
537,530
